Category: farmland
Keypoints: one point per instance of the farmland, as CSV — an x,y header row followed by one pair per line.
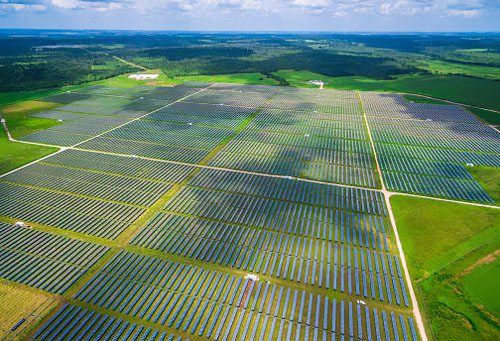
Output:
x,y
218,210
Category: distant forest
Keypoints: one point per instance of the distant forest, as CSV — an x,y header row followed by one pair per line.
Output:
x,y
36,59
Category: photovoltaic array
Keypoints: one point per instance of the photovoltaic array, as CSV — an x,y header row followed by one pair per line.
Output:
x,y
425,148
227,211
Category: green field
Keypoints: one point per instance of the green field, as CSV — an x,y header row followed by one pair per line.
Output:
x,y
20,121
13,154
482,285
444,67
441,241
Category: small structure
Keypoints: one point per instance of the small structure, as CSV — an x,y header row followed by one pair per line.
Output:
x,y
306,135
428,120
143,76
20,224
190,123
469,164
252,277
317,82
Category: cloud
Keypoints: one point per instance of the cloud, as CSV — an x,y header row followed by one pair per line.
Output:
x,y
466,13
20,5
312,3
101,6
65,3
280,8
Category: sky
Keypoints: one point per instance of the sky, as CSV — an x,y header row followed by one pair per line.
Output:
x,y
254,15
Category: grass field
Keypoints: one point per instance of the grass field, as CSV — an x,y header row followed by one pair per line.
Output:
x,y
481,284
444,67
20,121
17,303
13,155
444,244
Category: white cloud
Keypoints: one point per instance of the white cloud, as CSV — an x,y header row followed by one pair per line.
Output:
x,y
232,8
312,3
19,6
101,6
65,3
466,13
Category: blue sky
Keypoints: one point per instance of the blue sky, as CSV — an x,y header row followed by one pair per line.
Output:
x,y
254,15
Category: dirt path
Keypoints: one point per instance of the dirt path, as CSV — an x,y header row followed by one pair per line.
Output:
x,y
416,311
485,260
130,63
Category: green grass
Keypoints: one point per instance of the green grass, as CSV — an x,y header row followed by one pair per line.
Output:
x,y
13,154
7,98
462,89
240,78
490,117
489,179
441,240
164,80
445,67
482,286
20,121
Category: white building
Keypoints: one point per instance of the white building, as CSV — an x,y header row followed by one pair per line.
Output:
x,y
143,76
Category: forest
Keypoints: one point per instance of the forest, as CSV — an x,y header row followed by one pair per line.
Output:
x,y
33,60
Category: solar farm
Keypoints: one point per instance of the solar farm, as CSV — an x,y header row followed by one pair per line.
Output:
x,y
225,211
